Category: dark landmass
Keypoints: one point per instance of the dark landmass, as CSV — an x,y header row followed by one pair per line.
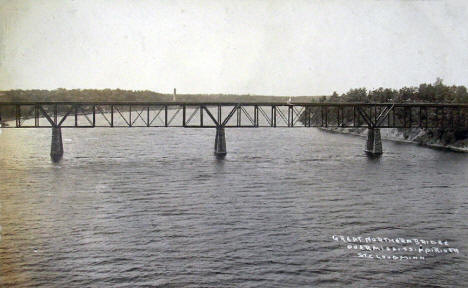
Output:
x,y
450,138
435,92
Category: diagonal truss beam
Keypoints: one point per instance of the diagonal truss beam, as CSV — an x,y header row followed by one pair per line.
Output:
x,y
192,115
46,115
101,111
384,115
365,117
65,116
28,113
211,115
246,113
128,123
139,116
175,114
79,107
230,115
157,116
265,115
281,114
298,114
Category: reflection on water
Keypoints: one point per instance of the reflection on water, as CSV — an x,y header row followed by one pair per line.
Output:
x,y
136,207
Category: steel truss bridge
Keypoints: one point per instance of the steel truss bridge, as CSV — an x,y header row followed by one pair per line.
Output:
x,y
373,116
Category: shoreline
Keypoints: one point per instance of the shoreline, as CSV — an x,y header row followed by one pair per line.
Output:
x,y
363,134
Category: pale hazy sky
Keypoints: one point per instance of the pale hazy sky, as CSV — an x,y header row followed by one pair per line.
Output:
x,y
256,47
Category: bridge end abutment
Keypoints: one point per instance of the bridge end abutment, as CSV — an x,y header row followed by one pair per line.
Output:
x,y
56,148
220,143
374,142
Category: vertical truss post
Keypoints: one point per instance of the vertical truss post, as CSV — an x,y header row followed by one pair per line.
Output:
x,y
94,115
219,114
306,116
36,116
201,116
112,115
76,115
338,116
354,115
272,115
238,115
420,117
274,112
326,116
147,116
183,115
255,115
321,116
290,116
427,117
410,120
18,116
343,124
404,117
130,115
165,116
388,117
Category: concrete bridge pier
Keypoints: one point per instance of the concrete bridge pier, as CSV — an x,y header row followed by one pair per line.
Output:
x,y
56,148
220,142
374,142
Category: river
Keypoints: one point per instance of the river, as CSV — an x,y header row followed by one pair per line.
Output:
x,y
146,207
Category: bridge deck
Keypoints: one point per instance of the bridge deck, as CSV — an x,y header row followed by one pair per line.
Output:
x,y
241,115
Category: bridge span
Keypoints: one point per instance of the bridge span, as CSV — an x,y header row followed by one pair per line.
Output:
x,y
373,116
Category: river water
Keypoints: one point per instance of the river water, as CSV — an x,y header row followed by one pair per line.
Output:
x,y
146,207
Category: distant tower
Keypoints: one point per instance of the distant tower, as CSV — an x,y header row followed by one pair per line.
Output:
x,y
173,95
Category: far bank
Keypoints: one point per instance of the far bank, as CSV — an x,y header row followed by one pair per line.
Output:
x,y
423,137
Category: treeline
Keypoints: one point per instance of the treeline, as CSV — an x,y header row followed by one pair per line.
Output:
x,y
90,95
118,95
435,92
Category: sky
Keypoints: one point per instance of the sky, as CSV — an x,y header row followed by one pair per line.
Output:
x,y
291,48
